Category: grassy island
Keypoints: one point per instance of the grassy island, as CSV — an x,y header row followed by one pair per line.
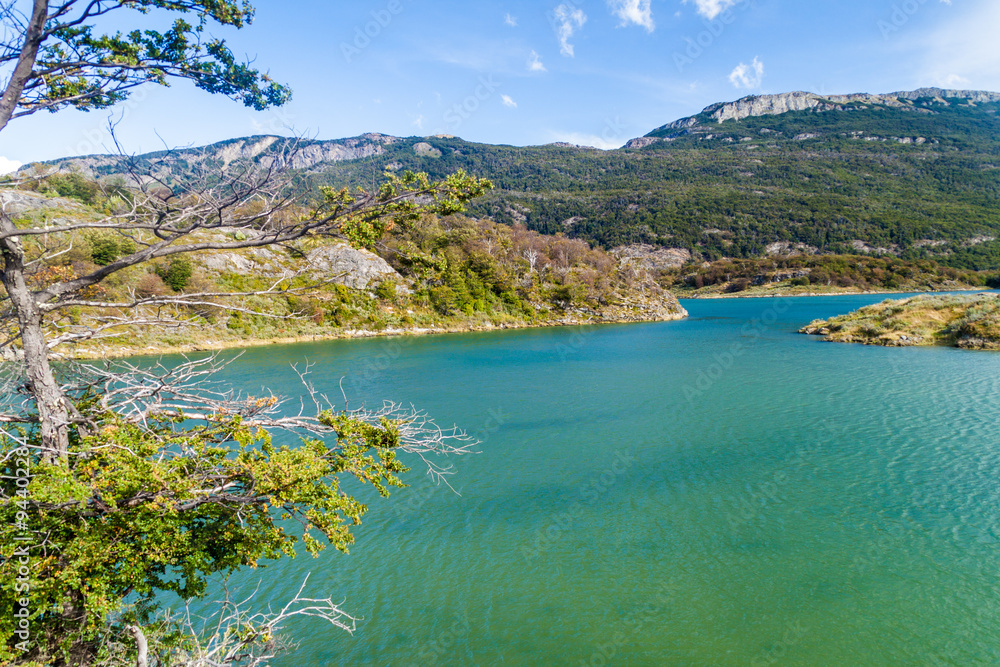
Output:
x,y
970,321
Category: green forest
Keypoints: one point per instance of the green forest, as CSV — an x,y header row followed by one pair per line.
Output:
x,y
920,182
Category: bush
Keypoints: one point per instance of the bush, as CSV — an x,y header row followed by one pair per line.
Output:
x,y
177,273
106,249
386,290
738,285
149,285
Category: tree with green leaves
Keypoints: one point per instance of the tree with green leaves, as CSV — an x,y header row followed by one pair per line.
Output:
x,y
118,481
59,58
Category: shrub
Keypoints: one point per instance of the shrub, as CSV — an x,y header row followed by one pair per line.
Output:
x,y
177,273
106,249
738,285
386,290
149,285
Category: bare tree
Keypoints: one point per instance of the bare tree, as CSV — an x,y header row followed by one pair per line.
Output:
x,y
531,255
55,56
251,204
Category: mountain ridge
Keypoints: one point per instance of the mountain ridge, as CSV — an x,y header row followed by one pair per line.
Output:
x,y
753,106
314,151
913,174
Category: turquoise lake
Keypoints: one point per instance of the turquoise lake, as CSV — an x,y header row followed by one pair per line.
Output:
x,y
715,491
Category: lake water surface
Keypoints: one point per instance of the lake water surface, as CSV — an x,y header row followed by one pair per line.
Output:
x,y
715,491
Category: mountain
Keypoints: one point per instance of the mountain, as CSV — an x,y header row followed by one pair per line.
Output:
x,y
773,105
910,174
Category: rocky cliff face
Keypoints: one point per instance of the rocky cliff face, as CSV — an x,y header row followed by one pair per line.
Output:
x,y
770,105
302,154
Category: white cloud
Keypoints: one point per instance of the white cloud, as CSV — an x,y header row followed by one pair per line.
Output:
x,y
593,140
535,63
959,53
747,76
954,81
508,101
7,165
712,8
510,20
418,122
638,12
569,20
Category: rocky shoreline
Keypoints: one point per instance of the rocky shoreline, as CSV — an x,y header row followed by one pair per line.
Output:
x,y
576,320
956,320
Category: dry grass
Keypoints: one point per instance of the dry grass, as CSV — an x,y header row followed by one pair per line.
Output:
x,y
968,321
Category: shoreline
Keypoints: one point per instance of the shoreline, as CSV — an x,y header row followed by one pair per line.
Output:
x,y
351,334
737,295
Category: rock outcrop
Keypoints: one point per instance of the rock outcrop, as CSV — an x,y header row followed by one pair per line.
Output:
x,y
300,154
772,105
357,269
650,257
424,149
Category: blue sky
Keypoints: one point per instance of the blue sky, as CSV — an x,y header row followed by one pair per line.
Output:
x,y
595,72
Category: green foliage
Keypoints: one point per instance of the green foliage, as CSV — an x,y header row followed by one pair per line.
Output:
x,y
143,509
386,290
72,186
820,271
824,192
176,273
105,248
467,267
79,66
400,200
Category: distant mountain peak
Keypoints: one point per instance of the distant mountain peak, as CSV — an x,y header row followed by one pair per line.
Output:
x,y
771,105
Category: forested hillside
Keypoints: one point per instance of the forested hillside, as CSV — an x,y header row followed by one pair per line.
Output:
x,y
918,178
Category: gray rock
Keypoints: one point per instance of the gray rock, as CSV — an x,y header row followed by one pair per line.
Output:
x,y
357,269
15,202
769,105
642,142
650,257
424,149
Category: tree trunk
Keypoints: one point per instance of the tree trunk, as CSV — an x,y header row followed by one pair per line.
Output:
x,y
53,413
34,32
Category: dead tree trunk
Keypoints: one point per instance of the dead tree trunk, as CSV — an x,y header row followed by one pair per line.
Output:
x,y
53,413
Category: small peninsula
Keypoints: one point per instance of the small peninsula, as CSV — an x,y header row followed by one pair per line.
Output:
x,y
969,321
